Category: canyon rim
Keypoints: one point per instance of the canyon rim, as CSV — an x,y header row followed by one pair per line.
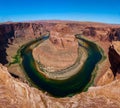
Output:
x,y
17,89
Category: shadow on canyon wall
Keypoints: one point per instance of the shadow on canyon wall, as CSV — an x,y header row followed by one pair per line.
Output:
x,y
114,59
114,34
6,38
9,32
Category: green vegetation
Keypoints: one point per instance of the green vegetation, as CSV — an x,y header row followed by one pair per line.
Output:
x,y
16,58
94,73
77,83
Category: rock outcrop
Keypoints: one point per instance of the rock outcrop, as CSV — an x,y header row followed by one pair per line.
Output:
x,y
60,51
106,78
11,32
114,34
15,94
22,31
114,57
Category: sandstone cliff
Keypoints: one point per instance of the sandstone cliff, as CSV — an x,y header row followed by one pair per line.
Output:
x,y
59,51
14,32
28,30
15,94
114,57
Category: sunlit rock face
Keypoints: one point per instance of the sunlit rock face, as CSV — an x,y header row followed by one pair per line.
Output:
x,y
15,32
62,37
106,78
59,51
15,94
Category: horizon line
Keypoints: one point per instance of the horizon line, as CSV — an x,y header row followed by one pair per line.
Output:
x,y
62,20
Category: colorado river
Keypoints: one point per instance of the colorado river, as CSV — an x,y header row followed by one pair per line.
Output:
x,y
67,87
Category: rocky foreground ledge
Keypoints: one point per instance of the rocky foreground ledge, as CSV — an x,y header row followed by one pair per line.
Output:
x,y
15,94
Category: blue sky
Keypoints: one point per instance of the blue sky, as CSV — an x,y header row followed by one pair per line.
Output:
x,y
107,11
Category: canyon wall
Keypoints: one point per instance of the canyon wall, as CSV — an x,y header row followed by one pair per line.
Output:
x,y
25,96
15,94
114,58
60,51
11,31
31,30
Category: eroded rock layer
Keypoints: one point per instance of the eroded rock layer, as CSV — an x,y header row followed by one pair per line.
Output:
x,y
114,57
59,51
15,94
18,32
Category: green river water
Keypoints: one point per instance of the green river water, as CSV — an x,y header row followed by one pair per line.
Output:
x,y
60,88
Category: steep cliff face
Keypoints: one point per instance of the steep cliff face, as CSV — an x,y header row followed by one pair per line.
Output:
x,y
15,94
103,33
89,31
114,57
14,30
30,30
6,37
114,34
10,32
6,33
